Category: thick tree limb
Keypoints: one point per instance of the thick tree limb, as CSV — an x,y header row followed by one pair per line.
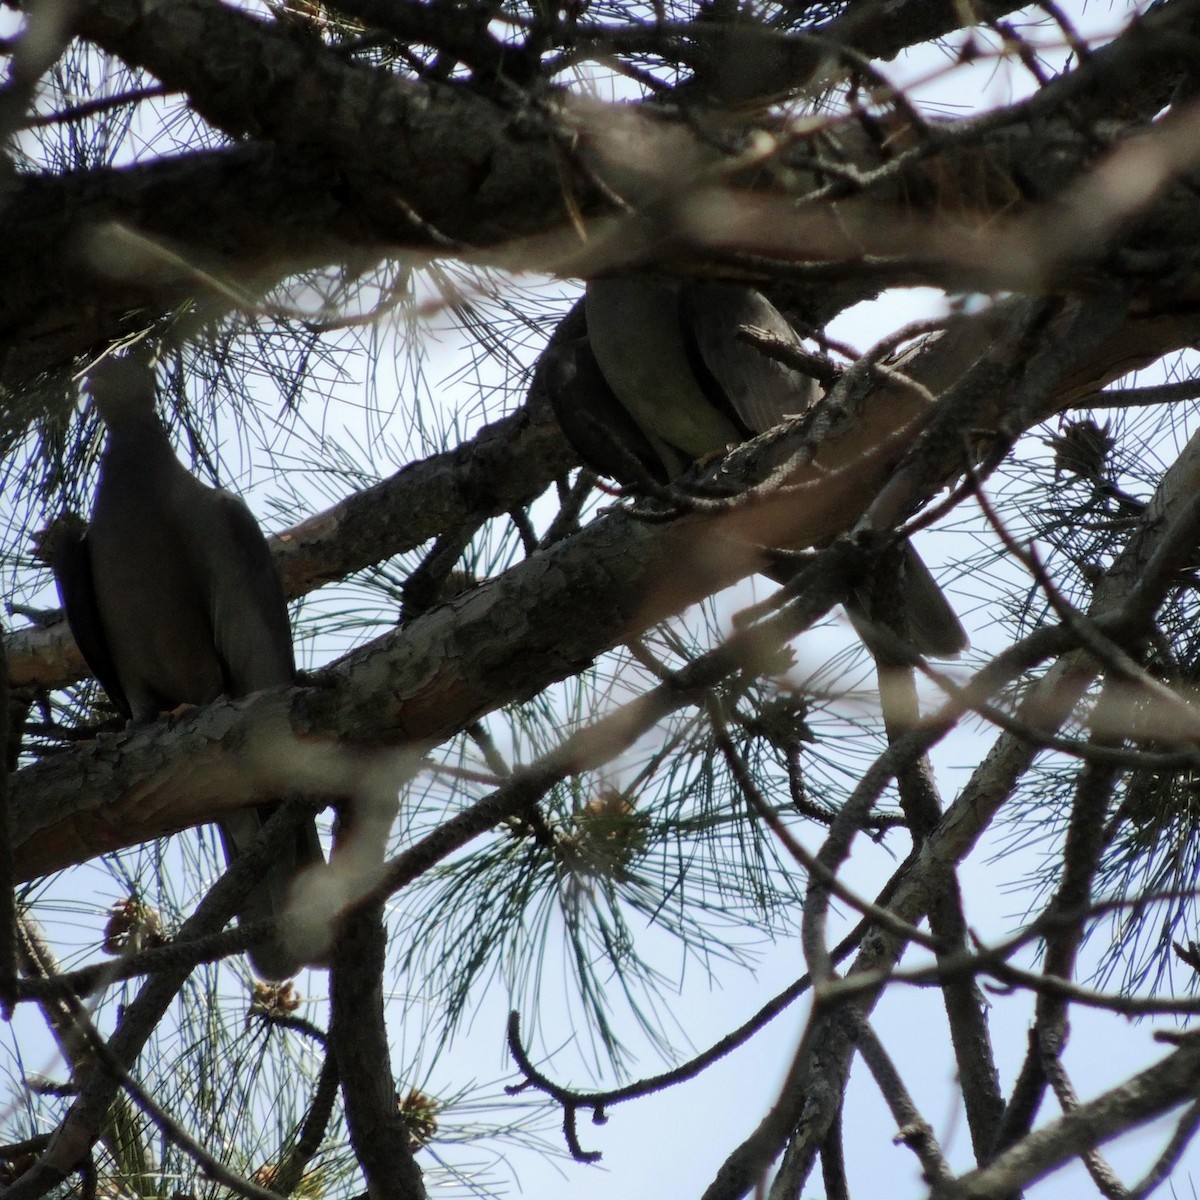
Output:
x,y
1147,1095
1138,580
503,641
506,465
337,161
88,1113
358,1038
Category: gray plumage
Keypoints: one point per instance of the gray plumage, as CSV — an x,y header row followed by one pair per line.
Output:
x,y
671,355
606,437
173,598
663,380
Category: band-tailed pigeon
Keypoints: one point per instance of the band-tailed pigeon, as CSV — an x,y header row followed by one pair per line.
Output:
x,y
662,380
173,598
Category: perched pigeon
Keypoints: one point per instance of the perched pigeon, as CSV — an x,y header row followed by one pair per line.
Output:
x,y
662,380
174,599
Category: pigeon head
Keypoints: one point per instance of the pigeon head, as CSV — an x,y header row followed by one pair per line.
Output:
x,y
122,389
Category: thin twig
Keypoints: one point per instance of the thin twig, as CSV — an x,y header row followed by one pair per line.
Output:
x,y
915,1131
811,864
8,900
1103,1176
1166,1162
312,1131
